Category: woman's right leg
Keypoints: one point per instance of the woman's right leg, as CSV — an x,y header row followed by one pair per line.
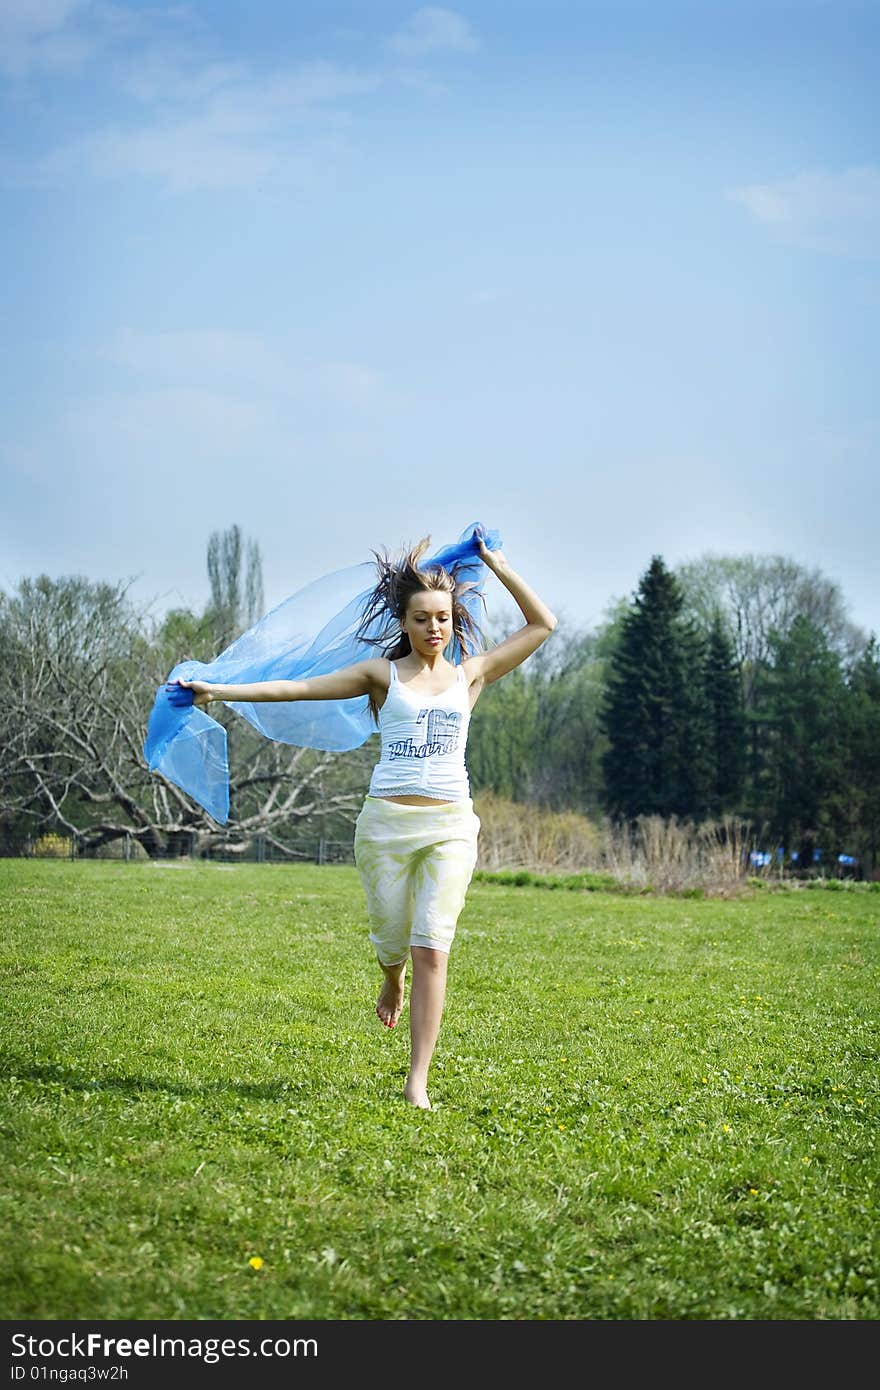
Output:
x,y
389,1005
384,873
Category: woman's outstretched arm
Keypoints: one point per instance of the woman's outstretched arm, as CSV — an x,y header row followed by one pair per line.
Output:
x,y
363,678
539,623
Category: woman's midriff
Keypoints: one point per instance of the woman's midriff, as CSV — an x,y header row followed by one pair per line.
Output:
x,y
415,800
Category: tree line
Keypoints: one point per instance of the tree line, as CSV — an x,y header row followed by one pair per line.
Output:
x,y
735,686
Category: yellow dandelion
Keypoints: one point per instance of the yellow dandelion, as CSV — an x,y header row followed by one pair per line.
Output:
x,y
726,1128
256,1262
705,1081
753,1192
807,1158
562,1126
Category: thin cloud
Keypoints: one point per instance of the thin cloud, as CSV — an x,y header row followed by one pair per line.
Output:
x,y
433,30
66,35
204,424
206,360
169,77
202,356
184,156
39,34
221,129
348,384
192,122
823,210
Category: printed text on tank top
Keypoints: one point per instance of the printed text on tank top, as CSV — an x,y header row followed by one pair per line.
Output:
x,y
423,742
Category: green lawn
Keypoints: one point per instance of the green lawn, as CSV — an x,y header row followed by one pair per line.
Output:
x,y
644,1108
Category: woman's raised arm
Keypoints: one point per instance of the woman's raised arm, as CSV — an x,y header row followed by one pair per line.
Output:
x,y
513,651
363,678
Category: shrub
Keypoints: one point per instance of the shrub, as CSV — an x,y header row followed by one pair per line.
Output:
x,y
522,878
531,838
53,846
650,854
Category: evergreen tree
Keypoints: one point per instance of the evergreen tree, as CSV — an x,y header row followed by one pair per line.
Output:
x,y
863,758
806,718
654,714
725,733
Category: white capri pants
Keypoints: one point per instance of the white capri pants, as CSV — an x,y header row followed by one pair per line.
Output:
x,y
415,864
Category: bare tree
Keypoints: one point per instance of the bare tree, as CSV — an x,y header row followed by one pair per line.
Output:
x,y
80,670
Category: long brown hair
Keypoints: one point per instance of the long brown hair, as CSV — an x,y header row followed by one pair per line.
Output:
x,y
398,579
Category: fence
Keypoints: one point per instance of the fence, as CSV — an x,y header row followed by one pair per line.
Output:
x,y
184,845
676,861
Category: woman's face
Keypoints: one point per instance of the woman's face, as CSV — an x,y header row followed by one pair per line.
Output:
x,y
428,621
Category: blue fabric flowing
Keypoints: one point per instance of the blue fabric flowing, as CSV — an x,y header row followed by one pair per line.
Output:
x,y
312,633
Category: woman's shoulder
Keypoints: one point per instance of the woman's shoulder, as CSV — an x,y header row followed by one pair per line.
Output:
x,y
378,670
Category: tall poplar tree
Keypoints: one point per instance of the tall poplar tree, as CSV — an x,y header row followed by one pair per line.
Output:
x,y
235,571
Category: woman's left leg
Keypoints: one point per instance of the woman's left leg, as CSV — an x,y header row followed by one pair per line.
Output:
x,y
442,877
427,995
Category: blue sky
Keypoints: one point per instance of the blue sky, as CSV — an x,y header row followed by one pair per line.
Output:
x,y
605,277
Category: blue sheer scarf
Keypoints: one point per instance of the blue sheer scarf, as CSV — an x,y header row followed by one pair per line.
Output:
x,y
312,633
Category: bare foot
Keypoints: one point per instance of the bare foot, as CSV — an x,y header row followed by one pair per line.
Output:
x,y
390,1002
417,1095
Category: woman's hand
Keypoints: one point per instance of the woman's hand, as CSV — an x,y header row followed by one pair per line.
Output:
x,y
488,554
490,557
201,693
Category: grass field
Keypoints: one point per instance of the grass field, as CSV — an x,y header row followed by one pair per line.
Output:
x,y
645,1108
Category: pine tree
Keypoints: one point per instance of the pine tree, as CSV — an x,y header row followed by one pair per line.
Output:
x,y
863,757
725,733
807,719
654,712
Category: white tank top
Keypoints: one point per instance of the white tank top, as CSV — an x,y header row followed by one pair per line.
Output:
x,y
423,742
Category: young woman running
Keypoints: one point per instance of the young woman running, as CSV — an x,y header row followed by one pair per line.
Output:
x,y
416,835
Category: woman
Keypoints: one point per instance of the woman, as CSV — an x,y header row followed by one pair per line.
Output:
x,y
416,836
